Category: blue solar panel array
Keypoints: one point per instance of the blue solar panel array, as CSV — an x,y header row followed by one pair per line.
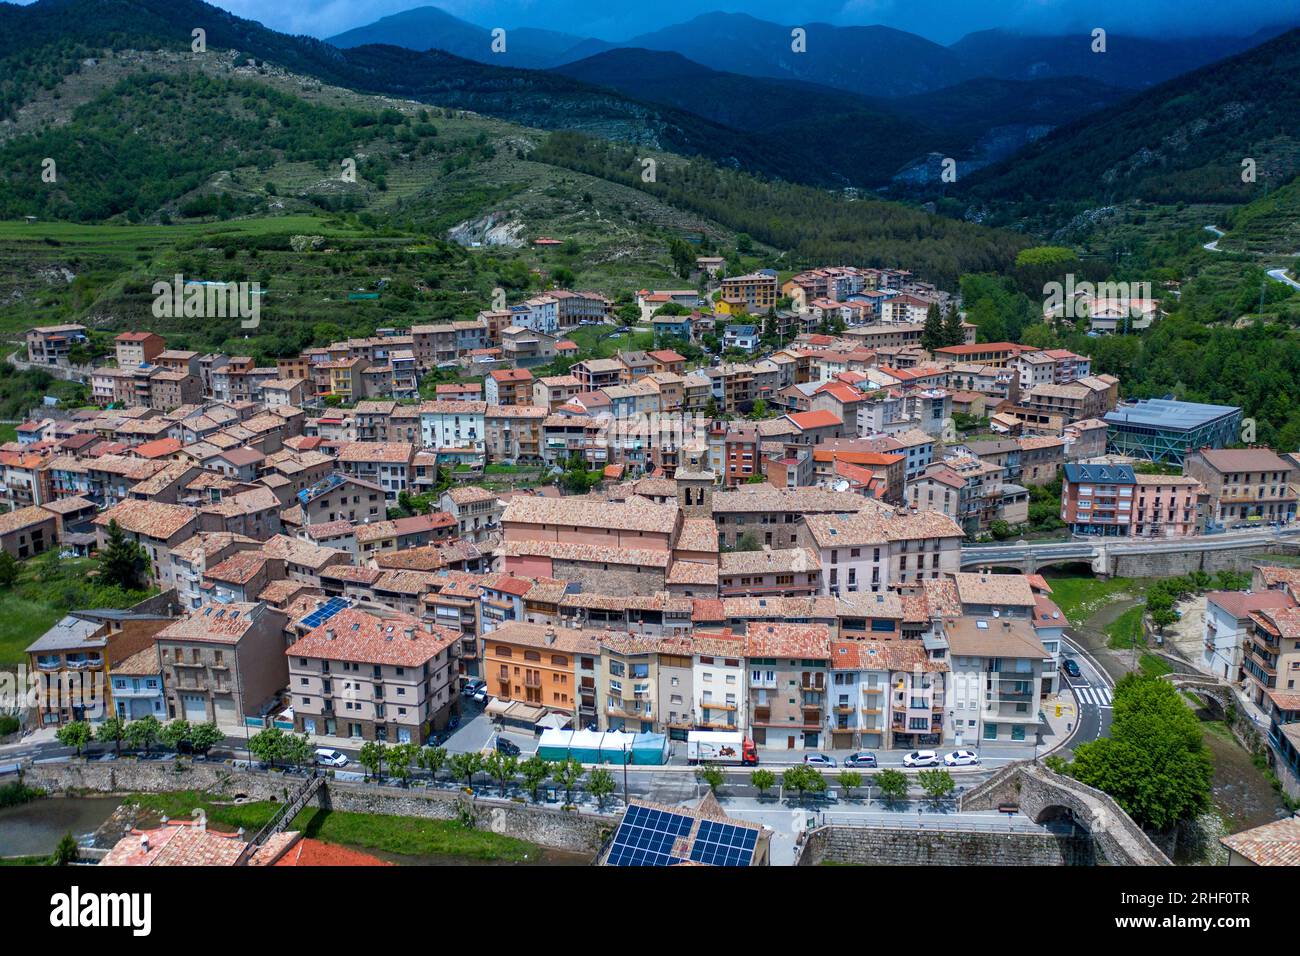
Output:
x,y
646,837
722,844
326,611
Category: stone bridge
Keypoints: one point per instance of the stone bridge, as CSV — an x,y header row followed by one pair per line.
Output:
x,y
1043,795
1125,557
1206,686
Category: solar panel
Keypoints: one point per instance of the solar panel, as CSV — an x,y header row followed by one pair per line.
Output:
x,y
326,611
646,836
723,844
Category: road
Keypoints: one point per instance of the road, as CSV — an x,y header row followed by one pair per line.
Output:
x,y
1214,245
1093,694
1277,275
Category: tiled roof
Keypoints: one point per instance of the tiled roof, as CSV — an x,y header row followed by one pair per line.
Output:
x,y
564,551
1273,844
811,641
153,519
222,623
907,656
176,843
358,636
993,637
769,561
23,518
1011,590
583,512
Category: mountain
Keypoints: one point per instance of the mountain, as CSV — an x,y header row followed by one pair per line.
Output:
x,y
871,60
429,28
1183,140
1128,61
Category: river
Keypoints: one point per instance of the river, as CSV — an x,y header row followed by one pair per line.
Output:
x,y
35,828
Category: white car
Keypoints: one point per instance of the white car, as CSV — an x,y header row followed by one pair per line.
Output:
x,y
961,758
330,758
921,758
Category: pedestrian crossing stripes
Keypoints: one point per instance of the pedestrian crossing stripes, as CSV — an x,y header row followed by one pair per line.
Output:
x,y
1096,696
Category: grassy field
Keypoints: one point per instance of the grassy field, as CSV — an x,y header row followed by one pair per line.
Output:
x,y
1079,596
48,588
8,433
406,836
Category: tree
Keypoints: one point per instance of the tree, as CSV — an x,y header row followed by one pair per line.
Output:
x,y
141,734
75,734
711,775
893,785
503,768
9,569
937,784
173,733
433,759
203,737
464,766
759,411
803,779
400,758
112,730
953,333
66,852
536,771
266,745
600,784
567,773
295,749
371,756
763,781
932,333
122,562
1154,763
850,780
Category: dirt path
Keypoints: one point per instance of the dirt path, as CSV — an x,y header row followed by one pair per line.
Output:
x,y
1092,635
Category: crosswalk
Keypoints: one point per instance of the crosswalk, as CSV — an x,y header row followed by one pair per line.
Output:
x,y
1096,696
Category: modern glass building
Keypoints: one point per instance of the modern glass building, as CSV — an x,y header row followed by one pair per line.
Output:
x,y
1157,429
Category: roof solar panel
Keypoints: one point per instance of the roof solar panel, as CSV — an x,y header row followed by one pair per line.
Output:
x,y
326,611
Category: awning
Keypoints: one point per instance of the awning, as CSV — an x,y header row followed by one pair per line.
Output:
x,y
497,706
554,721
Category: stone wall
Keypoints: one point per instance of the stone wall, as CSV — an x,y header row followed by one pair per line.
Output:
x,y
616,580
901,846
545,826
1167,564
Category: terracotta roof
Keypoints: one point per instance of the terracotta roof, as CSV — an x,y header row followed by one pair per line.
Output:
x,y
309,852
12,521
358,636
143,663
882,655
583,512
993,637
1244,459
176,843
1273,844
1002,589
1240,603
222,623
810,641
150,518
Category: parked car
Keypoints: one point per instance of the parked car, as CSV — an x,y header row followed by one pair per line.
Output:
x,y
818,760
1071,668
507,747
472,686
863,758
480,696
921,758
961,758
326,757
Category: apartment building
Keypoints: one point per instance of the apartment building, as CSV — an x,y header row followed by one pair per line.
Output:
x,y
223,662
788,668
1246,486
137,348
1228,626
885,694
476,510
997,675
755,292
1272,653
873,549
364,675
1113,501
51,344
551,667
156,527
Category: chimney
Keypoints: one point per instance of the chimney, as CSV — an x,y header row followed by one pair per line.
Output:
x,y
550,634
144,843
410,633
428,627
329,634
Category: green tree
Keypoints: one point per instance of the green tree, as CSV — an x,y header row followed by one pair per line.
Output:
x,y
9,569
203,737
296,749
711,775
953,333
932,333
567,773
762,781
536,771
141,734
173,733
372,755
75,734
112,730
893,785
803,779
600,784
1154,763
503,768
266,745
433,759
850,780
400,757
937,784
122,562
465,765
66,852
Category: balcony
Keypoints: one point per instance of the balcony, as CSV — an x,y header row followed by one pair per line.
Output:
x,y
812,716
762,715
532,680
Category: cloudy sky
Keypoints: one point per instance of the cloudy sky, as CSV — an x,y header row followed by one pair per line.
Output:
x,y
940,20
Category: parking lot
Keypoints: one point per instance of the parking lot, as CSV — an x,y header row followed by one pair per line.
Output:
x,y
478,731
